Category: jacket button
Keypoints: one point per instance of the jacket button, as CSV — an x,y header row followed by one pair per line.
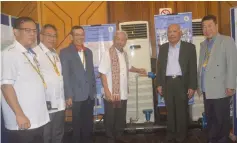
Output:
x,y
217,65
214,77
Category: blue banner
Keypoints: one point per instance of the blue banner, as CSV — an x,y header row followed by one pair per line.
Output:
x,y
161,25
98,38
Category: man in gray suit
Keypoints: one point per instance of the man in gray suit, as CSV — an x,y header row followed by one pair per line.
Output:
x,y
79,85
217,79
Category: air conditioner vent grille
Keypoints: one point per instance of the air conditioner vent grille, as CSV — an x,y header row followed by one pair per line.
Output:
x,y
135,31
197,28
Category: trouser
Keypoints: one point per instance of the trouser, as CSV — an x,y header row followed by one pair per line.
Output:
x,y
82,121
176,100
218,119
26,136
54,130
114,120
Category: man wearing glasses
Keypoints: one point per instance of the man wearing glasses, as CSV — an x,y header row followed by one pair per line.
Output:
x,y
79,85
23,87
51,69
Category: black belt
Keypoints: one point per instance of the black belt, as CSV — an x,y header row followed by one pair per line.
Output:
x,y
173,77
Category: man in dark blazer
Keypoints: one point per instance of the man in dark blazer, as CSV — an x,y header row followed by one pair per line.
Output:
x,y
79,85
176,81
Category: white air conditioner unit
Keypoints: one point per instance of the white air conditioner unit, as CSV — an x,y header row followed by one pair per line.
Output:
x,y
197,109
138,49
138,44
197,35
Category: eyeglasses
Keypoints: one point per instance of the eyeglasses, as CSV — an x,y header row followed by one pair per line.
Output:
x,y
50,36
78,35
28,30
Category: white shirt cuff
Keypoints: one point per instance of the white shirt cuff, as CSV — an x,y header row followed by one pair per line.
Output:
x,y
7,81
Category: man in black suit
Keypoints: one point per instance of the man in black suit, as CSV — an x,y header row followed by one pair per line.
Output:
x,y
176,81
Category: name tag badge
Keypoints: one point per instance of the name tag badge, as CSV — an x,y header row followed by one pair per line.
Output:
x,y
49,105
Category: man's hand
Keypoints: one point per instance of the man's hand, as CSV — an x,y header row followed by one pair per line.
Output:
x,y
142,71
190,93
159,90
199,92
108,96
23,122
116,98
69,102
229,92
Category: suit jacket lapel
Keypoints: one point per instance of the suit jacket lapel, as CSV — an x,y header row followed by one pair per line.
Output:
x,y
166,51
202,56
75,54
204,53
86,58
181,55
213,49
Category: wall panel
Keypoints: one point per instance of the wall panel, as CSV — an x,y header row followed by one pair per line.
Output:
x,y
67,14
19,8
140,10
62,14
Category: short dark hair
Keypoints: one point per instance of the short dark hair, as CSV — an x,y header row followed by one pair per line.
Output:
x,y
76,27
209,17
19,21
48,26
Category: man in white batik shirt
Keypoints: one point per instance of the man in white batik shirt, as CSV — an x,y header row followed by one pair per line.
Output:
x,y
23,87
51,68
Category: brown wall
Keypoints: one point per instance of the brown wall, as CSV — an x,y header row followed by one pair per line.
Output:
x,y
19,8
66,14
134,11
62,14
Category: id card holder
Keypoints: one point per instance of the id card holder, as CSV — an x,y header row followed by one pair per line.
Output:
x,y
49,106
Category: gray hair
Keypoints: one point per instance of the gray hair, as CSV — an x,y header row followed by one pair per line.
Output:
x,y
179,27
120,31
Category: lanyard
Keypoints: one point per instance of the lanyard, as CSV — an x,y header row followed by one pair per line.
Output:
x,y
52,62
208,52
207,56
36,68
